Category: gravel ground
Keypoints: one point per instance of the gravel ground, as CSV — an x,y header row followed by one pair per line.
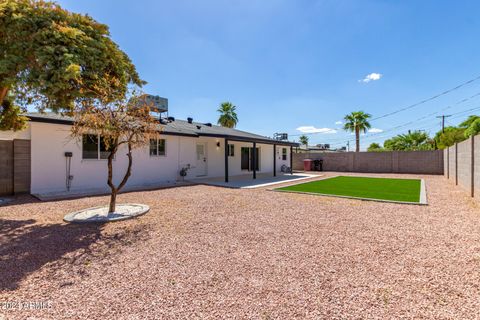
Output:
x,y
208,252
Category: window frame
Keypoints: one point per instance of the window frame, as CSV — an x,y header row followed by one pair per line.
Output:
x,y
284,154
157,142
231,150
99,151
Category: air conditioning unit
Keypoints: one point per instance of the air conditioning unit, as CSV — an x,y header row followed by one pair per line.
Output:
x,y
157,103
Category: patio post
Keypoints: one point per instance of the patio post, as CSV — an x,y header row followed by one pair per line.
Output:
x,y
291,160
254,160
226,160
274,160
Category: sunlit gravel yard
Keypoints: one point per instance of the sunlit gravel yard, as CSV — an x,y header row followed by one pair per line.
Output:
x,y
209,252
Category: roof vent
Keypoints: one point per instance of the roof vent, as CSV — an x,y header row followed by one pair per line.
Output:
x,y
190,120
208,124
171,119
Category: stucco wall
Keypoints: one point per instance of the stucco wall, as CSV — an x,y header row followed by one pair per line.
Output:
x,y
49,142
425,162
12,135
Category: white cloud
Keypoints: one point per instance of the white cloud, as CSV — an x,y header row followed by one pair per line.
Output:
x,y
312,129
375,130
371,77
338,122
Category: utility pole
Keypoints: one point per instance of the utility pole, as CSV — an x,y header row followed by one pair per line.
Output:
x,y
443,116
348,145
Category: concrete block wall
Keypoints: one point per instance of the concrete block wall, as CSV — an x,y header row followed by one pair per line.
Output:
x,y
476,167
421,162
452,168
445,162
463,164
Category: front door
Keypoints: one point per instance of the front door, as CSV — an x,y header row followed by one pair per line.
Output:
x,y
201,159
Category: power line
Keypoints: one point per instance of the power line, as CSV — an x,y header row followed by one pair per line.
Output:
x,y
413,121
427,100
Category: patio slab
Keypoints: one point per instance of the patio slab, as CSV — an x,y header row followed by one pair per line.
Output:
x,y
247,182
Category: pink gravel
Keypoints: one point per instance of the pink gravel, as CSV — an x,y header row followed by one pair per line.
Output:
x,y
208,252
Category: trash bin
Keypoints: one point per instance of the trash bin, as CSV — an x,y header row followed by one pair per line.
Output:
x,y
317,165
307,164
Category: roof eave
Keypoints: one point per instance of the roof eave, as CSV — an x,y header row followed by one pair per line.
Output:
x,y
229,137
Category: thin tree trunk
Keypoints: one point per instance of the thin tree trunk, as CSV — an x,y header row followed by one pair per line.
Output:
x,y
115,190
357,139
129,168
113,201
3,94
113,195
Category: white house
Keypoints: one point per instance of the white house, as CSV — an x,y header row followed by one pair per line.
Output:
x,y
44,158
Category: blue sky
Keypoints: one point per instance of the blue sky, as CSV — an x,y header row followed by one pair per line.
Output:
x,y
292,64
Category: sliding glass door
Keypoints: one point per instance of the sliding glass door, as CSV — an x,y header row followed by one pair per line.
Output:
x,y
247,159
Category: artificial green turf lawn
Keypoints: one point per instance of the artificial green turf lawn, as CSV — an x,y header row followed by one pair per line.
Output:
x,y
407,190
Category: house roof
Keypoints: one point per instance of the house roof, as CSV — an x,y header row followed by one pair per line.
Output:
x,y
179,128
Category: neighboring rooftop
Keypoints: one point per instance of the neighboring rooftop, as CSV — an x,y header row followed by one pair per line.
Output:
x,y
176,127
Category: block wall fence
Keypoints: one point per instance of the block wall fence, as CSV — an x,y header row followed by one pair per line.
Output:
x,y
462,165
419,162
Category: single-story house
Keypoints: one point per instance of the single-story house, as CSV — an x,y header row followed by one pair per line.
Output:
x,y
44,158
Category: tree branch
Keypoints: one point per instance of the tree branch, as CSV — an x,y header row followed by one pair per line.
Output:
x,y
129,169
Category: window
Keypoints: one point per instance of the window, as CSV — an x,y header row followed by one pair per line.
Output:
x,y
157,147
284,153
231,150
93,147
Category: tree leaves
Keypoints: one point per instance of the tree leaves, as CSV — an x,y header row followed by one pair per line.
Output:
x,y
412,141
228,116
56,59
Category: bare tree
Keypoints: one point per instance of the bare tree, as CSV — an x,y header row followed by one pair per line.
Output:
x,y
126,123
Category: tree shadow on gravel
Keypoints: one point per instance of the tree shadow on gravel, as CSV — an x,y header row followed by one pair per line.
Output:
x,y
25,247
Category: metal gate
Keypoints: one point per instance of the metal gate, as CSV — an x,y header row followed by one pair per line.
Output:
x,y
14,166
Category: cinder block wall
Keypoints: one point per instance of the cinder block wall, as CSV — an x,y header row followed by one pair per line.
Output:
x,y
476,167
445,163
422,162
463,163
452,168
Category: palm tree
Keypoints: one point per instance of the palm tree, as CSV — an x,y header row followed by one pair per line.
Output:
x,y
228,117
304,140
355,122
412,141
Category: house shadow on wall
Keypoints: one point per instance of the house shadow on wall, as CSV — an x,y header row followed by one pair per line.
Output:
x,y
26,246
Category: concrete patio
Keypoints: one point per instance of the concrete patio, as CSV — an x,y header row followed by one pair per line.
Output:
x,y
245,181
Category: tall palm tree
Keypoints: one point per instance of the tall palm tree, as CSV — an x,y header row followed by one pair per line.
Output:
x,y
228,117
355,122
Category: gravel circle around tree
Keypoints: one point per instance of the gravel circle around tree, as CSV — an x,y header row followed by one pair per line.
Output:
x,y
101,214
